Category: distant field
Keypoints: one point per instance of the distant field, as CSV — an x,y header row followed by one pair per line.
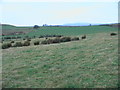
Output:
x,y
67,31
6,29
72,31
89,63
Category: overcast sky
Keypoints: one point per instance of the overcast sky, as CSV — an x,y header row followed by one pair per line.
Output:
x,y
38,12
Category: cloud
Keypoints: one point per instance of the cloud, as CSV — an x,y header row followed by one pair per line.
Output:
x,y
75,12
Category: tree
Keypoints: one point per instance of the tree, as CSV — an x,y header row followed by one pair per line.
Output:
x,y
36,27
45,25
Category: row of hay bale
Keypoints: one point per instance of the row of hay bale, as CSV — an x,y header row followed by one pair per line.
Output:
x,y
57,40
27,37
27,42
15,44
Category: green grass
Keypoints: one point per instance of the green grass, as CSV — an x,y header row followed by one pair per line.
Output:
x,y
67,31
89,63
6,29
72,30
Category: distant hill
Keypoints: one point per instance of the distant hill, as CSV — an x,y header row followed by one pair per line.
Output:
x,y
112,25
76,24
7,26
8,29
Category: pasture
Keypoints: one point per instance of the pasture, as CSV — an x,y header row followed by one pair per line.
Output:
x,y
88,63
51,30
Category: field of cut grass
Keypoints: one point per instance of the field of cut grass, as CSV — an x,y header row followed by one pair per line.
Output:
x,y
89,63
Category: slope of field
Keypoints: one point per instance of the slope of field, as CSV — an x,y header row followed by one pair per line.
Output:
x,y
89,63
7,29
67,31
71,31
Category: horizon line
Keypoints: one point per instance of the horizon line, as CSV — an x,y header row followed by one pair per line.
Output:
x,y
60,24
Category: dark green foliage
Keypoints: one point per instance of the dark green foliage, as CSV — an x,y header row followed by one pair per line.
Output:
x,y
23,38
41,37
83,37
18,44
36,43
12,41
26,43
59,35
113,34
65,39
7,37
6,45
74,38
36,27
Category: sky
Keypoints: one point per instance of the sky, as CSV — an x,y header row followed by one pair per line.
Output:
x,y
39,12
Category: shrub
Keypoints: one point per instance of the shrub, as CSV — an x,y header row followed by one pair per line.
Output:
x,y
74,38
36,27
7,37
18,44
83,37
23,38
36,43
65,39
26,43
6,45
12,41
112,34
59,35
41,37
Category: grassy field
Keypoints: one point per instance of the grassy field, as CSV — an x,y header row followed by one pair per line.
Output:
x,y
89,63
67,31
71,31
6,29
